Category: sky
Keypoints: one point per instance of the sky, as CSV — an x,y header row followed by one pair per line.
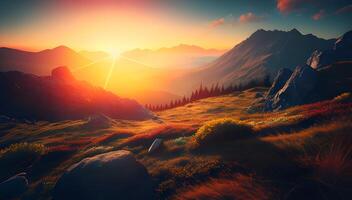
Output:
x,y
116,26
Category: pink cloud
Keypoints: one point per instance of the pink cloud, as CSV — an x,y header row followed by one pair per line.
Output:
x,y
287,6
319,15
249,17
346,9
217,22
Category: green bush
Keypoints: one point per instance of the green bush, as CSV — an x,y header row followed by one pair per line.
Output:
x,y
222,130
17,157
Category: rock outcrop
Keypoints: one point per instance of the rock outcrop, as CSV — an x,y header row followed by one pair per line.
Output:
x,y
297,89
14,186
282,76
341,51
112,175
307,85
98,121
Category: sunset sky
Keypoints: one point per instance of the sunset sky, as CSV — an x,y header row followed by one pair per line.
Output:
x,y
117,26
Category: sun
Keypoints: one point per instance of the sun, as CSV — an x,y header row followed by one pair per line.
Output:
x,y
114,52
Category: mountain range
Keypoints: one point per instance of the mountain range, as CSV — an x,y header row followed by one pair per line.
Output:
x,y
42,62
181,56
261,54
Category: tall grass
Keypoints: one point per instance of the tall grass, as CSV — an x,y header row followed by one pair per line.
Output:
x,y
241,187
334,165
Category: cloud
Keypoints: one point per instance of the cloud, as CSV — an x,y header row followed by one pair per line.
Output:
x,y
345,9
287,6
319,15
217,22
249,17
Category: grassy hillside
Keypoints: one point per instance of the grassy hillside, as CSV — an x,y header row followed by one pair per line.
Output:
x,y
213,149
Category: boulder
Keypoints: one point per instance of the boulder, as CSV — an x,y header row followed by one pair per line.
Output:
x,y
155,145
98,121
14,186
282,76
112,175
297,89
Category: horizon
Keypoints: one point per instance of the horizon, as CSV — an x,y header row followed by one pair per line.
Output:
x,y
161,47
84,26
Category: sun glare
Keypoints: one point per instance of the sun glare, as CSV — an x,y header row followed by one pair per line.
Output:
x,y
110,72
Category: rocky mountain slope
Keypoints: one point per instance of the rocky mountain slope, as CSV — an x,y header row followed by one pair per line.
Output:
x,y
341,51
262,54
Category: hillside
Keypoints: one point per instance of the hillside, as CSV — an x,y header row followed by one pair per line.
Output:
x,y
277,156
61,97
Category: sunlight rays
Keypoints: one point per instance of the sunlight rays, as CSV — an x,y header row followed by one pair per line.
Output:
x,y
110,72
90,64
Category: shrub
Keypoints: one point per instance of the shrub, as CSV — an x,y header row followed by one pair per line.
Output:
x,y
241,187
222,130
23,150
17,157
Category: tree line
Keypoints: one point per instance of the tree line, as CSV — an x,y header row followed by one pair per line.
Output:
x,y
205,92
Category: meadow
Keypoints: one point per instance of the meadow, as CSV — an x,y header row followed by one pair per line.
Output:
x,y
213,148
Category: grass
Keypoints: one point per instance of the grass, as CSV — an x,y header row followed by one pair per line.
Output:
x,y
332,165
239,187
163,132
238,147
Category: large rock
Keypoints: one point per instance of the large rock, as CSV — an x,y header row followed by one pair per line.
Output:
x,y
341,51
282,76
297,89
113,175
14,186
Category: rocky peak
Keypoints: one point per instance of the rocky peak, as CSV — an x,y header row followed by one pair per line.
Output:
x,y
344,43
295,31
341,51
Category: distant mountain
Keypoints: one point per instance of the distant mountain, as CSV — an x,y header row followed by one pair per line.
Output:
x,y
61,97
42,62
94,55
262,54
181,56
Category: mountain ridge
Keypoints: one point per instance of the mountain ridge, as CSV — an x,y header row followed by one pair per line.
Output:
x,y
262,54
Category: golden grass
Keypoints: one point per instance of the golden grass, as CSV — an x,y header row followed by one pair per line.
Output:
x,y
279,139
